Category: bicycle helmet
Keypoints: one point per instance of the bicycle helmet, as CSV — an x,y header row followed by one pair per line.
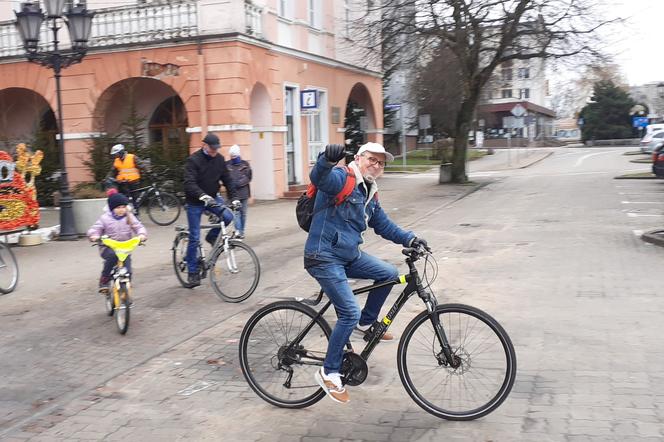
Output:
x,y
118,149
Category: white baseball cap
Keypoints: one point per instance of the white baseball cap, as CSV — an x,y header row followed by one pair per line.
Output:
x,y
375,148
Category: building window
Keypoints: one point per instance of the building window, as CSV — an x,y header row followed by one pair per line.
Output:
x,y
284,8
314,13
506,74
506,93
524,93
524,73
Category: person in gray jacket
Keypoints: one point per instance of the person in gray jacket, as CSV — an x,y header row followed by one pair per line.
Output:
x,y
240,171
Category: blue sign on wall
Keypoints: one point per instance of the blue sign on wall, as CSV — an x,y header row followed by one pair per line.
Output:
x,y
639,121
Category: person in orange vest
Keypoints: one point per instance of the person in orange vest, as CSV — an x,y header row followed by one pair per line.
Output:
x,y
126,171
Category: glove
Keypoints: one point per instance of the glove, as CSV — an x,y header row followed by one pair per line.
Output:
x,y
334,152
236,204
207,199
420,243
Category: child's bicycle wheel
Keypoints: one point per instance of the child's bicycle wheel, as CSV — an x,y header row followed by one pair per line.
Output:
x,y
122,313
108,303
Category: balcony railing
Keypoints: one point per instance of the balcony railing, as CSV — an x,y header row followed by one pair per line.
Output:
x,y
254,19
10,40
125,25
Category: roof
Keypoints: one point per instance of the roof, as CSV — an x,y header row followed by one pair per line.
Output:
x,y
507,107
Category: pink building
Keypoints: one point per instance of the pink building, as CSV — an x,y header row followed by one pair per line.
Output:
x,y
273,76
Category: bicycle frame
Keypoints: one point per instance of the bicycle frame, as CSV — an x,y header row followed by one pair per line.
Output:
x,y
120,274
413,286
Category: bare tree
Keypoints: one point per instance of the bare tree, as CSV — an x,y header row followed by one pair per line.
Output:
x,y
481,34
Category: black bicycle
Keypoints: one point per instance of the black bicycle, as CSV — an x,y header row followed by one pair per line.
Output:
x,y
163,207
455,361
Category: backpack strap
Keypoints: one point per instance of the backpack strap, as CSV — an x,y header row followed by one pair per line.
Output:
x,y
348,188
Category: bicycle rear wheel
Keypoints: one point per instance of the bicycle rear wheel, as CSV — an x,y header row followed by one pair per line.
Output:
x,y
281,374
163,209
8,269
235,271
179,257
484,376
122,310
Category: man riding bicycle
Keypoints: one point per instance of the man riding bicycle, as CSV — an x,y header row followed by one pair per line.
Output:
x,y
202,173
126,171
332,252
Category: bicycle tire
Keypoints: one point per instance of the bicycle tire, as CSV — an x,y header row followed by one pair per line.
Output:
x,y
109,303
123,311
8,267
239,271
262,351
165,204
419,343
180,245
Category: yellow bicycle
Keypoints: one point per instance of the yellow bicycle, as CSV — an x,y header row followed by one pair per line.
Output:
x,y
118,299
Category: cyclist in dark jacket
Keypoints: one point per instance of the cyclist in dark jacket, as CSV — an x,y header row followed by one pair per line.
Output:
x,y
241,174
332,252
202,173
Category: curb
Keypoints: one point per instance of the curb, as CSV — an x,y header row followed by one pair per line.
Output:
x,y
627,177
536,161
655,237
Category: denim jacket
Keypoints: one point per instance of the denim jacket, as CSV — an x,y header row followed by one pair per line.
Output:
x,y
336,232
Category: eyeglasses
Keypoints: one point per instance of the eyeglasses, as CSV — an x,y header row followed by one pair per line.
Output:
x,y
373,161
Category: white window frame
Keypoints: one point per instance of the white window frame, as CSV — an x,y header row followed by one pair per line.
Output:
x,y
314,14
285,9
316,146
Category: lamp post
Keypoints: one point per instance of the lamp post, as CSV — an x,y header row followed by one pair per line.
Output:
x,y
79,21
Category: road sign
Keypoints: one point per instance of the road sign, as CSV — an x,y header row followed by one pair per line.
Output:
x,y
639,121
425,121
518,110
389,106
512,122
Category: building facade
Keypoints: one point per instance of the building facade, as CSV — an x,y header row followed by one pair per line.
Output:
x,y
523,83
273,76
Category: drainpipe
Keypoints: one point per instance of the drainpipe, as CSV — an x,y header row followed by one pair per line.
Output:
x,y
202,90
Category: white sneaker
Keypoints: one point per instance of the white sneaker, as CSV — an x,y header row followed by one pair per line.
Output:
x,y
366,331
332,385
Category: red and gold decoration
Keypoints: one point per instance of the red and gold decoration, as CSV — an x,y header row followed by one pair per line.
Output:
x,y
18,195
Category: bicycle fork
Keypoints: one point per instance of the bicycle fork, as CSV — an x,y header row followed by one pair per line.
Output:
x,y
445,356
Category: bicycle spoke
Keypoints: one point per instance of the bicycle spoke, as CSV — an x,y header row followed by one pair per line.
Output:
x,y
278,369
478,375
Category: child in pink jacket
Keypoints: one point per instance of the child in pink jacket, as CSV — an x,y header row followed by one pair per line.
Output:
x,y
120,224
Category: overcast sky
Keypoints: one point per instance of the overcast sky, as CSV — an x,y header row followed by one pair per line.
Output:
x,y
640,45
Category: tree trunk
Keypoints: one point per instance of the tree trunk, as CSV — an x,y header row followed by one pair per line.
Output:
x,y
463,122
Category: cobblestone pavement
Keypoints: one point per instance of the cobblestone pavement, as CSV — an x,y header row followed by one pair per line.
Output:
x,y
550,251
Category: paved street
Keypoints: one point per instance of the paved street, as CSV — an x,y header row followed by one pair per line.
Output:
x,y
551,251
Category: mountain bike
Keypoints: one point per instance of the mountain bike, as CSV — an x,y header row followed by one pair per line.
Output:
x,y
163,208
8,269
118,299
233,266
455,361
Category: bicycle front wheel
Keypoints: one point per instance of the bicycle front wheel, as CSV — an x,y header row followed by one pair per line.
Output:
x,y
486,363
279,371
180,257
164,209
8,269
235,271
122,313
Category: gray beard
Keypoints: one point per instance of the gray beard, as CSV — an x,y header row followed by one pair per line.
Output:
x,y
369,179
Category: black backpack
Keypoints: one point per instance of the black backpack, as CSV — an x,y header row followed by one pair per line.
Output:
x,y
304,209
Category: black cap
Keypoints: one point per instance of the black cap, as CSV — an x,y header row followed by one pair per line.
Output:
x,y
212,140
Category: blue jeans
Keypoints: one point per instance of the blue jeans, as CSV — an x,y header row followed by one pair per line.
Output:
x,y
333,279
241,217
194,219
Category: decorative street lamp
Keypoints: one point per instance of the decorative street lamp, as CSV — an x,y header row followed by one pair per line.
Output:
x,y
79,22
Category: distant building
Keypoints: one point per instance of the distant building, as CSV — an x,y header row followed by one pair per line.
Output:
x,y
652,96
518,82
